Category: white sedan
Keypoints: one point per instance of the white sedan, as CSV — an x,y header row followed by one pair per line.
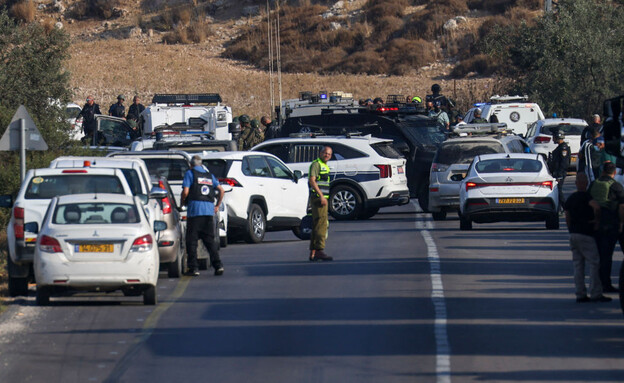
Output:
x,y
514,187
97,242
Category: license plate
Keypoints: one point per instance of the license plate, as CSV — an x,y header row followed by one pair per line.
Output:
x,y
92,248
572,159
400,169
509,200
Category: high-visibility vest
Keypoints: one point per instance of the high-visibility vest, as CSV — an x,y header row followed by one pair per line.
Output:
x,y
323,179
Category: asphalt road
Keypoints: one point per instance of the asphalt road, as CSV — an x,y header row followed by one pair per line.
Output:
x,y
406,300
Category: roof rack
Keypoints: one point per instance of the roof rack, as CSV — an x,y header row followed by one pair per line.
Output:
x,y
187,99
496,99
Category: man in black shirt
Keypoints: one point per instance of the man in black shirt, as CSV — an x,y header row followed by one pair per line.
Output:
x,y
88,112
118,109
135,110
582,215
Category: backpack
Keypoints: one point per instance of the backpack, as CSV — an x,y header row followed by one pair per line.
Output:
x,y
599,191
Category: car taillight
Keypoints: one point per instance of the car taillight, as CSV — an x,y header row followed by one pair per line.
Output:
x,y
470,185
49,245
229,181
541,140
435,167
142,244
548,184
18,223
166,202
385,171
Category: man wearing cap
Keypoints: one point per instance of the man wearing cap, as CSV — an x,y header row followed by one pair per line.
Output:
x,y
459,120
118,109
88,112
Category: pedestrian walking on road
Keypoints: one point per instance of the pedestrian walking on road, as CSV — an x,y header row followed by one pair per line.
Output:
x,y
318,180
609,194
200,190
582,215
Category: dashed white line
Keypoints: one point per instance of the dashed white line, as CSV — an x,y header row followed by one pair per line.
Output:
x,y
443,349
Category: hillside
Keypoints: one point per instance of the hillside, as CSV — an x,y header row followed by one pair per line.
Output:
x,y
156,46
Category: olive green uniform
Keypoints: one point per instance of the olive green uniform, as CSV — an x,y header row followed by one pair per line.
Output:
x,y
250,138
320,217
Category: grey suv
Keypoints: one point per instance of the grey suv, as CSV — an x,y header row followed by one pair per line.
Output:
x,y
452,160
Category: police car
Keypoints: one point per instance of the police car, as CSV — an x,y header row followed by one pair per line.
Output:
x,y
540,136
508,187
515,111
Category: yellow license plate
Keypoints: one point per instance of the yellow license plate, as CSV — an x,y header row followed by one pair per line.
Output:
x,y
509,200
572,159
102,248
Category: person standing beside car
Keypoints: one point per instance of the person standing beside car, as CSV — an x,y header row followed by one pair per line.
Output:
x,y
118,109
135,110
587,133
559,162
318,180
88,112
200,189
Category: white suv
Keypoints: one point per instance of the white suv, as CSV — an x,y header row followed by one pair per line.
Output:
x,y
266,195
31,203
367,173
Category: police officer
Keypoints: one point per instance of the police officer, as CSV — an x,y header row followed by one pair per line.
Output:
x,y
199,193
560,162
318,180
118,109
477,119
89,124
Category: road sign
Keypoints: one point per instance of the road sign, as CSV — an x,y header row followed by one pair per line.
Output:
x,y
11,137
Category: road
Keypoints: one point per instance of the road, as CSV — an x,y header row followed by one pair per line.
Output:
x,y
406,300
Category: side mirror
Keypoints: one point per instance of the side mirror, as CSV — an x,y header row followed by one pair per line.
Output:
x,y
6,201
157,193
144,198
160,226
457,177
298,175
31,227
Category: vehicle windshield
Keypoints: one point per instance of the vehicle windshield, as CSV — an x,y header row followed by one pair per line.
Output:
x,y
171,168
509,165
423,130
465,152
567,129
47,187
95,213
217,167
386,149
72,111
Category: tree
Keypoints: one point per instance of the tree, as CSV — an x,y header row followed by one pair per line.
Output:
x,y
32,73
569,61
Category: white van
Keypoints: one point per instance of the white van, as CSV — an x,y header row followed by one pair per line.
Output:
x,y
515,111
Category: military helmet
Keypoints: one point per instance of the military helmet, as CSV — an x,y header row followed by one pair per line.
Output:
x,y
121,97
255,123
435,88
244,119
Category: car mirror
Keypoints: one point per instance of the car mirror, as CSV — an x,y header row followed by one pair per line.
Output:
x,y
6,201
31,227
298,175
158,193
144,199
160,226
457,177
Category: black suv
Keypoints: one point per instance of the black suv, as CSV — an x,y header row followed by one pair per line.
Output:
x,y
415,136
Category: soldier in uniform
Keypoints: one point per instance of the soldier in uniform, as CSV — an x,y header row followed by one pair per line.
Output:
x,y
560,162
118,109
318,180
477,117
252,134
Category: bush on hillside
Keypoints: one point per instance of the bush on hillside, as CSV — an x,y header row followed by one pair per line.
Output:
x,y
480,65
99,9
24,11
378,9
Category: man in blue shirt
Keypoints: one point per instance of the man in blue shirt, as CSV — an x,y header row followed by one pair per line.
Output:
x,y
200,189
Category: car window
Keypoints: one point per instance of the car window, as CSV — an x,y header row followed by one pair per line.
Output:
x,y
132,177
305,152
217,167
171,168
464,152
278,150
47,187
114,133
343,152
531,130
256,166
72,111
509,165
386,149
423,130
95,213
278,169
513,146
567,129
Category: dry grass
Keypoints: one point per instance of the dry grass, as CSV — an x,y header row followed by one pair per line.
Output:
x,y
24,11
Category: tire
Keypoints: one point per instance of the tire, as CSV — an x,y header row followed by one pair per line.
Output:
x,y
175,267
202,264
552,222
344,203
17,285
423,198
256,225
439,215
621,285
368,213
464,223
299,234
42,296
149,296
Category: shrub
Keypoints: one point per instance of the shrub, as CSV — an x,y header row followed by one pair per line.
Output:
x,y
377,9
531,4
198,31
498,6
101,9
366,62
412,53
481,64
177,36
182,15
24,11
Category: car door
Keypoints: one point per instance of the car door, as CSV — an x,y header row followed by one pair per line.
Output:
x,y
293,196
259,175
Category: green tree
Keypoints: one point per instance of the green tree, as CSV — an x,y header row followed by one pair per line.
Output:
x,y
32,73
569,61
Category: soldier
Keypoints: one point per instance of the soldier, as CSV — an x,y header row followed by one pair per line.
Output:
x,y
477,119
559,162
118,109
252,134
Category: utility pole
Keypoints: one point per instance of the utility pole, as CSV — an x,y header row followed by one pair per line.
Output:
x,y
270,41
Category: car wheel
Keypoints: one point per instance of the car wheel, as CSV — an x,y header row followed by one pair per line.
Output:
x,y
552,222
149,296
621,285
438,215
299,234
202,264
344,203
42,296
256,225
17,286
175,267
423,198
369,213
464,223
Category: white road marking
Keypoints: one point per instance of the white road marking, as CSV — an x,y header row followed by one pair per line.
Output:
x,y
443,349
